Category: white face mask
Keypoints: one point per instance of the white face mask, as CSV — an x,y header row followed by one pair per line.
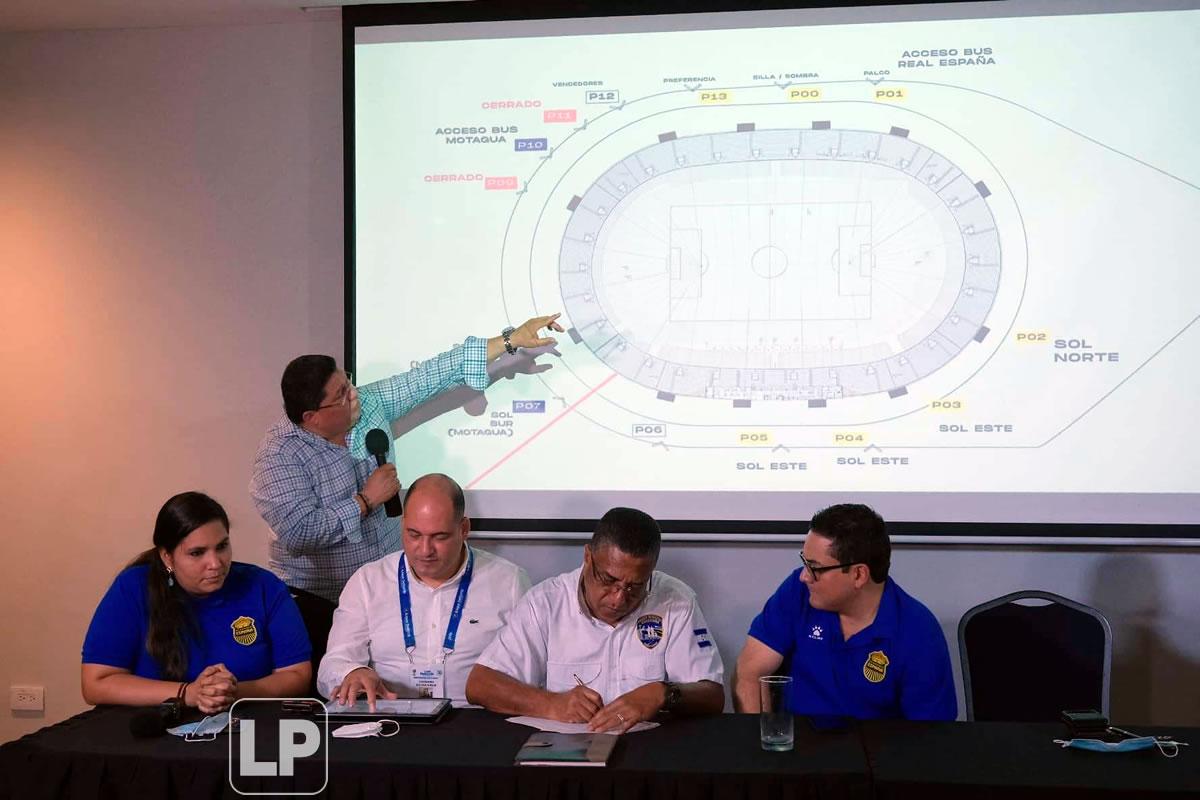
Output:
x,y
360,730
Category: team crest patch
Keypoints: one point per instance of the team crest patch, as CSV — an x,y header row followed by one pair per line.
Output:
x,y
244,631
875,667
650,630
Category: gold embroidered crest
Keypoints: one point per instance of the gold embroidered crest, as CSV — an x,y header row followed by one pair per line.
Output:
x,y
244,631
875,667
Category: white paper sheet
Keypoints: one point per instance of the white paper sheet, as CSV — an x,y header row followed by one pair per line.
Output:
x,y
570,727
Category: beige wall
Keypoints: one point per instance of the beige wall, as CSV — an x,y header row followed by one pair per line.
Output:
x,y
170,235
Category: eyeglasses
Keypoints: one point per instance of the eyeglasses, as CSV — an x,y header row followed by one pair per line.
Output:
x,y
610,585
816,571
343,396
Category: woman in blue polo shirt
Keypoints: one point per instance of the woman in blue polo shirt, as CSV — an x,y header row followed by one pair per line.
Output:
x,y
185,620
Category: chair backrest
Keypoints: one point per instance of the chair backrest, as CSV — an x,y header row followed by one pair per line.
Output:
x,y
1028,663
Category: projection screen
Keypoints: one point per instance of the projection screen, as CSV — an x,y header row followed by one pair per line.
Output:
x,y
937,258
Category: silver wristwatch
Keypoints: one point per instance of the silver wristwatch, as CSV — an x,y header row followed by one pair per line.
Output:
x,y
508,345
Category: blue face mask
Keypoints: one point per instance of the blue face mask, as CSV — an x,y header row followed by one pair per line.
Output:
x,y
1167,747
204,730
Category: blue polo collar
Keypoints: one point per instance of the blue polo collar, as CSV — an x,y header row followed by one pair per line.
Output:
x,y
887,619
231,587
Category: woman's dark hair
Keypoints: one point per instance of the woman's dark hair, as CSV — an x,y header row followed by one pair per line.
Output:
x,y
169,614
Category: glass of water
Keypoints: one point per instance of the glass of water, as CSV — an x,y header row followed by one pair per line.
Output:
x,y
775,729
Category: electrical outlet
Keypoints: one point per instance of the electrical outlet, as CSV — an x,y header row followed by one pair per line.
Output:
x,y
27,698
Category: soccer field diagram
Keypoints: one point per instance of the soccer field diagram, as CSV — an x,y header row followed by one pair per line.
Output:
x,y
783,264
788,259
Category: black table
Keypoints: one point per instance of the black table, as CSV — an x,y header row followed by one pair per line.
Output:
x,y
469,755
1001,760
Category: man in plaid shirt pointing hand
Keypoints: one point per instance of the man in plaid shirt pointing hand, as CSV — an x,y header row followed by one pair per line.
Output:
x,y
317,487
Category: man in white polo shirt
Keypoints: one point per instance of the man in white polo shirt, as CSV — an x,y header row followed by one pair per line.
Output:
x,y
610,644
413,623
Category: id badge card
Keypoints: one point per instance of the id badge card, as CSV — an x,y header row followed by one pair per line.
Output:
x,y
430,681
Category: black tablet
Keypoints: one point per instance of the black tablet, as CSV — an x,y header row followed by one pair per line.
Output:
x,y
417,711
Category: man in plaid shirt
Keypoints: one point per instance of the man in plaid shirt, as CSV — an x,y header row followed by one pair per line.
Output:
x,y
319,489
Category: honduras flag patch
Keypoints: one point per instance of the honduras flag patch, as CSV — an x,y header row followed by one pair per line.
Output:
x,y
650,630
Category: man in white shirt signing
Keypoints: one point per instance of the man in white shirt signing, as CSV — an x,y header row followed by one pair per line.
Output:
x,y
413,623
610,644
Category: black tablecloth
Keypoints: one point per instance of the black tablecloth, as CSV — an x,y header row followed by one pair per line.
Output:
x,y
469,755
997,760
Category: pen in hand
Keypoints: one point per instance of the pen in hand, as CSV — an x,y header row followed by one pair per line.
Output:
x,y
588,695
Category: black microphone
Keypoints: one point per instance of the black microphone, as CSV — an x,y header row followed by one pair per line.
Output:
x,y
154,721
377,445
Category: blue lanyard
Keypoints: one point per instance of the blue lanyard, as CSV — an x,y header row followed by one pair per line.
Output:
x,y
460,601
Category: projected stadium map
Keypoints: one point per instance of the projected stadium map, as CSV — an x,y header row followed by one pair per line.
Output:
x,y
786,266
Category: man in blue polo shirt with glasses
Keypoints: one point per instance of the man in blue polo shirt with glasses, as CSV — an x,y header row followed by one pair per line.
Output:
x,y
858,645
